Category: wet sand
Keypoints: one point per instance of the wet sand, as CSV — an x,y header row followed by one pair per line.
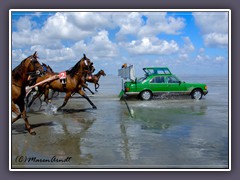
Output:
x,y
169,133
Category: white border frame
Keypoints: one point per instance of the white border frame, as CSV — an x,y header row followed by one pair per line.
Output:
x,y
121,10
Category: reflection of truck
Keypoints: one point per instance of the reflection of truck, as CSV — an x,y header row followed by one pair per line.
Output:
x,y
159,80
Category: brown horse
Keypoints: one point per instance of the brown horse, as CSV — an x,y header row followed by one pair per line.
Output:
x,y
20,74
75,80
40,92
95,78
47,68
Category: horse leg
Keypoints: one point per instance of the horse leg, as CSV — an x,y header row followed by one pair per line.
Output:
x,y
33,99
16,111
89,90
87,98
96,86
86,86
24,116
68,95
46,99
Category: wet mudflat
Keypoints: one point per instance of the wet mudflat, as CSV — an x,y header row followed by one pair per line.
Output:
x,y
166,132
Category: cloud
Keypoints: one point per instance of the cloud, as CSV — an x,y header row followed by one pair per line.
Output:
x,y
58,27
24,24
219,59
157,23
151,46
99,46
214,27
187,48
202,58
129,23
213,39
61,38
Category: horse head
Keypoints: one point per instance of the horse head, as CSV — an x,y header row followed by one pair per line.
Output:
x,y
85,63
47,68
33,65
102,72
50,69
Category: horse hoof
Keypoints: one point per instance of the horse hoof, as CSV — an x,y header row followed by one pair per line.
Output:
x,y
32,133
94,107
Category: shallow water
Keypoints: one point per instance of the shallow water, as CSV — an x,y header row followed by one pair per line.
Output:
x,y
169,132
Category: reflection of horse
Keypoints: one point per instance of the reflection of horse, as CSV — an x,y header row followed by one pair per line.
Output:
x,y
95,78
74,81
20,74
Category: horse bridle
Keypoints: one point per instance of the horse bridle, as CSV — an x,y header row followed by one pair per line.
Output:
x,y
36,73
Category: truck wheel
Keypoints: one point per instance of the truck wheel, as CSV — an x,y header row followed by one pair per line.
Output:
x,y
197,94
146,95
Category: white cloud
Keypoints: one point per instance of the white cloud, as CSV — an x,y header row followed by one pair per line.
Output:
x,y
213,39
202,58
151,46
219,59
24,24
99,46
104,37
160,23
188,45
60,26
187,48
129,23
214,27
18,55
156,23
183,56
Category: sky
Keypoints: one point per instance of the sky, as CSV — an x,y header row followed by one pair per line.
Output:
x,y
189,43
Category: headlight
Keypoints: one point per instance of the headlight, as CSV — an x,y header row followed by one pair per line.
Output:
x,y
205,87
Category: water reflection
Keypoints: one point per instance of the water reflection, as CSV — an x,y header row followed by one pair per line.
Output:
x,y
61,139
164,116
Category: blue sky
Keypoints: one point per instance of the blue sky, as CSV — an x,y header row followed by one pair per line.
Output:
x,y
191,43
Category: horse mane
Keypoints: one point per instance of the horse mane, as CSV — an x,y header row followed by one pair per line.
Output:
x,y
18,71
50,68
98,73
74,69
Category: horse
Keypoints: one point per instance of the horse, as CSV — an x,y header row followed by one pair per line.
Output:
x,y
46,69
74,81
20,74
95,78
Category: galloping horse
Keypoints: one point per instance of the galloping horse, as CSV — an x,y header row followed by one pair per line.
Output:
x,y
95,78
20,74
47,68
75,80
40,92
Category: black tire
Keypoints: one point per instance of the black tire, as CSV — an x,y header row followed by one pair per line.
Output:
x,y
197,94
146,95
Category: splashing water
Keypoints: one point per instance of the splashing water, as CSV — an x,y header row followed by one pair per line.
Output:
x,y
50,109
